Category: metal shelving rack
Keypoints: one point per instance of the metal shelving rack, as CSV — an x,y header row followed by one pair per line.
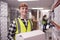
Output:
x,y
3,20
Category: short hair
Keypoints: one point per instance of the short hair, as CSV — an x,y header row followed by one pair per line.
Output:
x,y
45,16
23,5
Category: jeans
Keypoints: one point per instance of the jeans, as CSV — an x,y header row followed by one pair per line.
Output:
x,y
44,28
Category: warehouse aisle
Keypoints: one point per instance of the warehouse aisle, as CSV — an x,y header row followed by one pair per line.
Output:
x,y
9,11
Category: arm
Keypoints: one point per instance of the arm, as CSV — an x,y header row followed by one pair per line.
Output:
x,y
11,30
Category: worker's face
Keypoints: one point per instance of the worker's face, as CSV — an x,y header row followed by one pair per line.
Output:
x,y
23,11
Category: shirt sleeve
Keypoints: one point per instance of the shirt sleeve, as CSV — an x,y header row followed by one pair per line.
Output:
x,y
11,31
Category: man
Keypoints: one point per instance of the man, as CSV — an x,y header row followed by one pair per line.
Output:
x,y
44,22
21,24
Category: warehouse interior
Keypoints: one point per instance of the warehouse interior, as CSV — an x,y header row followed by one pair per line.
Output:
x,y
9,10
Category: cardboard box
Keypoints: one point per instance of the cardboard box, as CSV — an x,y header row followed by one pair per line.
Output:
x,y
33,35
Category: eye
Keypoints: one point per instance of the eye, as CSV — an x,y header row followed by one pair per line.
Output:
x,y
23,8
26,8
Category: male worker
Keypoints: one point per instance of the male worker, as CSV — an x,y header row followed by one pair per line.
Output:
x,y
21,24
44,22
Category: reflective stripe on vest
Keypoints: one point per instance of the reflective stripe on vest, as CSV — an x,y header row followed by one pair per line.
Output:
x,y
22,26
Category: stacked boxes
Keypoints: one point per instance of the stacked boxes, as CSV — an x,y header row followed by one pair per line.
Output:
x,y
3,20
55,34
57,15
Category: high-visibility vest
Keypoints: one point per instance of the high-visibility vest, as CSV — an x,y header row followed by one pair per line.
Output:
x,y
43,22
21,28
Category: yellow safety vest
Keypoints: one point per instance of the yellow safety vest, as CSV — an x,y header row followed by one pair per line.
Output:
x,y
22,26
43,22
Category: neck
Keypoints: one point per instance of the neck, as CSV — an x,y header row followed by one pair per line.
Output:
x,y
23,17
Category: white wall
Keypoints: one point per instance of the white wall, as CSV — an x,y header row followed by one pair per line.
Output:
x,y
45,12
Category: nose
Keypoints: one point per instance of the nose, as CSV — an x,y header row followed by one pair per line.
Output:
x,y
24,9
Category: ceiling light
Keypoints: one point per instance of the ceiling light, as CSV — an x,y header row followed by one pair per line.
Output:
x,y
37,8
45,10
27,0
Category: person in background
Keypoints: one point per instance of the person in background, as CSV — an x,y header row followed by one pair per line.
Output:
x,y
44,22
21,24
